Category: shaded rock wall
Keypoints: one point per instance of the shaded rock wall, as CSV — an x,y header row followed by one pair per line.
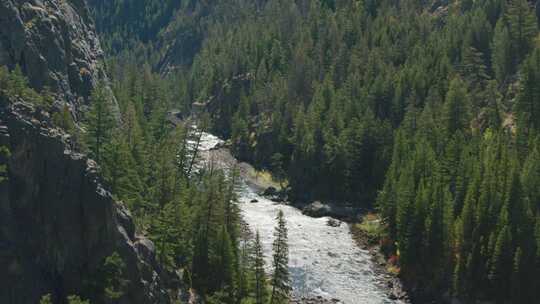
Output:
x,y
54,43
58,223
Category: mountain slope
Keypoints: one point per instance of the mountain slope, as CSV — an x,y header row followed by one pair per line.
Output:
x,y
61,232
55,45
426,111
59,226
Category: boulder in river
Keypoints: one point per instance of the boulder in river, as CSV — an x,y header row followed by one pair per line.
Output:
x,y
317,209
275,195
333,222
270,191
338,211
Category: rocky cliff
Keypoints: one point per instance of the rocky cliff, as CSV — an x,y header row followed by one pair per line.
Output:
x,y
58,223
54,43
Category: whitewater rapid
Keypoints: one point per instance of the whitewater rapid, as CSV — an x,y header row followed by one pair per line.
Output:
x,y
323,260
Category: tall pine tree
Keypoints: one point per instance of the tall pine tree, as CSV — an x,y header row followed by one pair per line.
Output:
x,y
280,263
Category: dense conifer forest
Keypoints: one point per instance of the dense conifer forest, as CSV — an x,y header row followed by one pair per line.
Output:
x,y
422,110
186,206
425,112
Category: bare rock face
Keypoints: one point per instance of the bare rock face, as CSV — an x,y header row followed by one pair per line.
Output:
x,y
54,43
58,223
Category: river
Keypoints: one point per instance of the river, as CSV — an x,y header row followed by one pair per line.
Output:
x,y
323,260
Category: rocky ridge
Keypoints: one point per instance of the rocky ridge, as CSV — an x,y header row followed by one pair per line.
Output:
x,y
58,223
54,43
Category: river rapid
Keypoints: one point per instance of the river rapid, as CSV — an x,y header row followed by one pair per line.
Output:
x,y
323,260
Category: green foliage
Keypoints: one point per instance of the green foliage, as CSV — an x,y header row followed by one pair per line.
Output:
x,y
15,84
260,285
4,156
429,114
76,300
64,120
46,299
277,168
480,213
522,27
455,113
527,106
124,24
280,263
188,210
114,272
100,122
502,52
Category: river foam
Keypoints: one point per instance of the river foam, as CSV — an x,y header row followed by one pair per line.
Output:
x,y
323,260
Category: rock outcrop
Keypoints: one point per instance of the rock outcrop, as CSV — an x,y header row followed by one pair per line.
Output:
x,y
319,209
58,223
54,43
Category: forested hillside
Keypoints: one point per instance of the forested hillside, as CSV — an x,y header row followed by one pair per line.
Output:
x,y
91,166
427,111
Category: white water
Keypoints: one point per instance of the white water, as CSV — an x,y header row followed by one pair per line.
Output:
x,y
323,260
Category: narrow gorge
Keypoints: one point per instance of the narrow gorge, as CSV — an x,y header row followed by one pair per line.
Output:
x,y
269,151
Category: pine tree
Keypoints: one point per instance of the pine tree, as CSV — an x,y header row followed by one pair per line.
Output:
x,y
501,53
100,122
261,293
530,177
162,172
455,111
114,273
207,225
527,106
523,28
518,280
165,232
18,82
240,136
277,169
501,263
119,170
200,264
225,268
64,120
280,263
473,68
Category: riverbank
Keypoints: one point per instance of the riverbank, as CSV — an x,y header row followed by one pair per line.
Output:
x,y
331,256
367,240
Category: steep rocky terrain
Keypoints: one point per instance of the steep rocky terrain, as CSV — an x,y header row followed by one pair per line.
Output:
x,y
58,223
55,45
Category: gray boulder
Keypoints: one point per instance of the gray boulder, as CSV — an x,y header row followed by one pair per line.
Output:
x,y
270,191
317,209
338,211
